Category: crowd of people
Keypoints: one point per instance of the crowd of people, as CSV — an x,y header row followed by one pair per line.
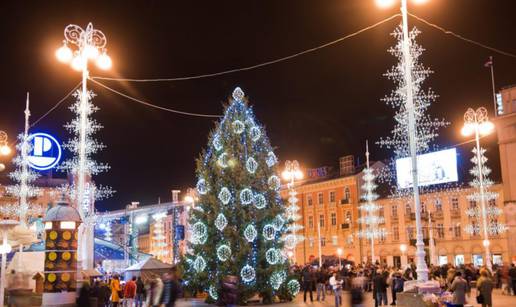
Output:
x,y
111,291
379,279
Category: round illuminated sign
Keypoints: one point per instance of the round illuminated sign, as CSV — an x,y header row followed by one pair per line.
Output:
x,y
46,151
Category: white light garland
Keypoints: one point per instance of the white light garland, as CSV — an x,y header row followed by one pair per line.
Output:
x,y
217,142
271,159
199,264
277,278
273,256
214,293
293,287
274,183
222,161
255,133
199,233
202,186
278,222
238,127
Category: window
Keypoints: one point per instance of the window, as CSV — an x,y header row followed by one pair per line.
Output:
x,y
381,238
334,240
323,241
394,211
395,233
456,231
492,202
438,205
423,207
410,232
477,260
408,209
459,260
472,204
332,196
493,224
497,259
311,222
309,199
320,199
440,231
321,220
455,203
381,213
346,193
348,216
333,218
349,239
443,260
311,242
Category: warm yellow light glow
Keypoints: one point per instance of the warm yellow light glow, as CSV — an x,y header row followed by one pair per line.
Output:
x,y
48,225
2,167
467,130
67,225
486,243
5,248
64,54
77,63
91,52
403,248
339,251
104,61
419,1
385,3
290,254
486,128
5,150
286,175
299,174
189,199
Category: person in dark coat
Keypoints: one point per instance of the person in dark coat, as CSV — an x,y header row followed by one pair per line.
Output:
x,y
230,290
171,288
396,286
380,289
485,287
84,295
140,292
308,281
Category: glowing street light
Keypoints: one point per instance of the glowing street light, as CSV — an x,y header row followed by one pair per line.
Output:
x,y
339,253
477,123
291,173
5,150
421,267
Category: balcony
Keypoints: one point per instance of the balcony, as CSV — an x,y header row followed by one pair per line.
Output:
x,y
438,215
345,226
424,216
345,201
455,213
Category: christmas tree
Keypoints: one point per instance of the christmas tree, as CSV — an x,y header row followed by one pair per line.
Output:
x,y
238,227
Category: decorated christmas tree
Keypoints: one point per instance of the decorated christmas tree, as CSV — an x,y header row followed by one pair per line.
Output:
x,y
238,226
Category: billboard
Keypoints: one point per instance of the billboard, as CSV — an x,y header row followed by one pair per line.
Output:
x,y
45,151
433,168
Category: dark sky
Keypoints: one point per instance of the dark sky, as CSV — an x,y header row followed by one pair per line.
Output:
x,y
316,107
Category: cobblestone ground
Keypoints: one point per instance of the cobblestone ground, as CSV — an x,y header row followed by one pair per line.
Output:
x,y
498,301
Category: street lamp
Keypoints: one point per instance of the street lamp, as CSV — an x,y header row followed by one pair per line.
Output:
x,y
477,123
5,150
339,253
291,173
421,267
90,45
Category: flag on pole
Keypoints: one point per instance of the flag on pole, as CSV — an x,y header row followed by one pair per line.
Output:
x,y
489,62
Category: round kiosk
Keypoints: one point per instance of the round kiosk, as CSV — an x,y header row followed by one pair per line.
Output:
x,y
61,233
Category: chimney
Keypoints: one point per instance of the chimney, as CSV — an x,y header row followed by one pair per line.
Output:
x,y
175,196
346,165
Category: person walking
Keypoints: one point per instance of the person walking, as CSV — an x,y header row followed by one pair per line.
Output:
x,y
171,288
130,292
485,287
396,286
459,287
140,292
116,290
84,295
230,291
322,278
512,278
380,289
308,280
336,286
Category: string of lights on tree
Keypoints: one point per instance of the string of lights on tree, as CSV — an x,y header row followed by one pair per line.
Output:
x,y
238,226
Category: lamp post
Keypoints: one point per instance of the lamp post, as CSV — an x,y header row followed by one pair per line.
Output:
x,y
5,150
90,44
5,248
477,123
339,253
291,173
403,249
421,267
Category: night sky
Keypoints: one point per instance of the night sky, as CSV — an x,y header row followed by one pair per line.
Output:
x,y
316,107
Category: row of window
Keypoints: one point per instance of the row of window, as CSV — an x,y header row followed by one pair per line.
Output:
x,y
333,219
334,241
331,197
438,206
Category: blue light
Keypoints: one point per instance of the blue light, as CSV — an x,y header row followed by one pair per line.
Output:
x,y
45,153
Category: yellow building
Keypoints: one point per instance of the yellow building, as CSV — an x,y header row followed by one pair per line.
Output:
x,y
333,202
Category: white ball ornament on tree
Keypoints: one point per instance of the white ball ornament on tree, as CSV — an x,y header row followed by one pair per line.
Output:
x,y
251,165
223,159
274,183
248,274
277,278
271,159
293,287
290,241
238,94
250,233
221,222
217,142
202,186
199,264
246,196
255,133
269,232
238,127
199,233
273,256
223,252
278,222
224,195
214,293
259,201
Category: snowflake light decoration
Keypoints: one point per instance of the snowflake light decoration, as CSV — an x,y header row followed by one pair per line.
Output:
x,y
223,252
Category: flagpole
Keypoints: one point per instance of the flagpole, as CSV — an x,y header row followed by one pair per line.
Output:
x,y
493,84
